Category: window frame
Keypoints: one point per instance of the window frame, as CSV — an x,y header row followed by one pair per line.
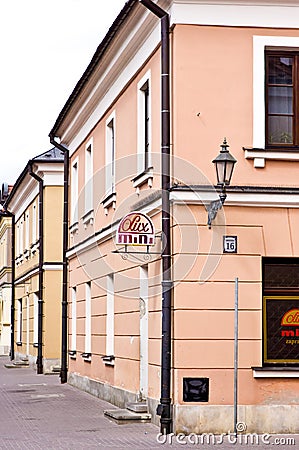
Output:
x,y
273,294
279,52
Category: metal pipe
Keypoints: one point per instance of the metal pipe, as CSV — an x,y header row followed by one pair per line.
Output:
x,y
236,355
64,328
13,277
164,408
39,361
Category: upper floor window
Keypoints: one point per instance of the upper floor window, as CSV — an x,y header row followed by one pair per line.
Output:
x,y
144,124
110,156
74,192
282,108
89,176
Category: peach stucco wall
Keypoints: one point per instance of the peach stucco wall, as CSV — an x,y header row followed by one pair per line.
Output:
x,y
212,75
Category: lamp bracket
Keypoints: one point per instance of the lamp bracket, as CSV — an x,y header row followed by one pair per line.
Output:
x,y
214,207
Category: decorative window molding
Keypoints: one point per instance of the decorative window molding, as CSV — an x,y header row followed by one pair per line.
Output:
x,y
88,218
110,152
87,344
110,320
74,191
74,319
109,201
88,187
258,151
74,228
145,177
144,136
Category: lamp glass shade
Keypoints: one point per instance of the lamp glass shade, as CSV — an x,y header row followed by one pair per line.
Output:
x,y
224,164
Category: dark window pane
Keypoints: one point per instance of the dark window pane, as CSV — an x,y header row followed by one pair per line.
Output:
x,y
281,276
280,130
280,70
280,100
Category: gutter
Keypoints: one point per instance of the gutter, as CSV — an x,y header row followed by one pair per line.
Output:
x,y
39,361
164,409
64,327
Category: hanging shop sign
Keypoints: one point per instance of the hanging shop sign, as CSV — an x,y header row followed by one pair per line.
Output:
x,y
136,228
281,329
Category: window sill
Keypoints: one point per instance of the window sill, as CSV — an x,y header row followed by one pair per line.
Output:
x,y
260,155
275,372
109,201
144,177
72,354
19,344
88,218
35,345
108,360
86,356
74,228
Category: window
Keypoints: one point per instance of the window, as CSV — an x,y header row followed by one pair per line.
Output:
x,y
280,311
19,321
110,316
282,109
34,224
87,349
110,156
27,228
74,319
89,177
74,192
144,124
35,319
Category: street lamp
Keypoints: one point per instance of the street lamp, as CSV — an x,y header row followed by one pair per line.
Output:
x,y
224,164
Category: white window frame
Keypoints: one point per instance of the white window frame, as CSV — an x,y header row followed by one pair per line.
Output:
x,y
27,229
74,319
35,318
110,316
110,155
87,346
259,154
34,223
20,320
145,81
75,191
88,185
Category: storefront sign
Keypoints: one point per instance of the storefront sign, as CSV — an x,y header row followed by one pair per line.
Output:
x,y
136,229
281,329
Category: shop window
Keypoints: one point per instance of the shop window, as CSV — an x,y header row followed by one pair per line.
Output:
x,y
281,311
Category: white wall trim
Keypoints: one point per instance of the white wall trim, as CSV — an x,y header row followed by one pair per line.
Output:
x,y
259,44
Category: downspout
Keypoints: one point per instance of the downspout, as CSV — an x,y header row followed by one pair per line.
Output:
x,y
164,409
39,361
64,328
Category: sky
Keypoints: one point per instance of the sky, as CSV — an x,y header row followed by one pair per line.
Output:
x,y
46,46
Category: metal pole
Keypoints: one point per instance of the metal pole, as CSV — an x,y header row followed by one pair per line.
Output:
x,y
236,355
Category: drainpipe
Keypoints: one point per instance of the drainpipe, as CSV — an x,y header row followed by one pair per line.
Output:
x,y
164,409
40,181
64,329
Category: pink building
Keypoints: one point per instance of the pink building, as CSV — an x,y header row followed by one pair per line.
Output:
x,y
233,73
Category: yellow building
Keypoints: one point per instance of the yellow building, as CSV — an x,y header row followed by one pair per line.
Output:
x,y
5,275
36,202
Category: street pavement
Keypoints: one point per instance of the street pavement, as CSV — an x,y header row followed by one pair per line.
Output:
x,y
38,412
